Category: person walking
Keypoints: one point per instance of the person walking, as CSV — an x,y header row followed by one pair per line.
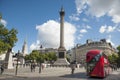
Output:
x,y
34,67
2,68
31,67
72,65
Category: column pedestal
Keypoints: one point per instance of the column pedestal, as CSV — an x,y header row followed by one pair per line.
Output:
x,y
61,60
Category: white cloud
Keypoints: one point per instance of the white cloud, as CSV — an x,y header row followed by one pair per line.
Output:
x,y
88,27
35,45
115,15
110,41
83,31
4,22
49,34
110,29
99,8
74,17
79,36
85,20
80,5
106,29
118,29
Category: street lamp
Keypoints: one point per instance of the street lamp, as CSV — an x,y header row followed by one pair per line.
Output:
x,y
17,62
40,65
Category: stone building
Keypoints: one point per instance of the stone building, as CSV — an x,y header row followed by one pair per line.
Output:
x,y
47,50
79,51
21,55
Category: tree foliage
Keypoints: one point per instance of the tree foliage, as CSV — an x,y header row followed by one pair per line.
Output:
x,y
8,38
118,48
113,58
38,56
51,56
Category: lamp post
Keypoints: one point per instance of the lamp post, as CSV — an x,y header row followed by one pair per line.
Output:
x,y
40,65
17,62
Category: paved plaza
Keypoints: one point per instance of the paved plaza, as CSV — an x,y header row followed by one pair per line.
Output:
x,y
53,73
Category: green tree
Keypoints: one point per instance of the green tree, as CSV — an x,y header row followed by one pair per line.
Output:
x,y
8,38
34,55
118,48
51,56
27,57
41,58
113,58
37,56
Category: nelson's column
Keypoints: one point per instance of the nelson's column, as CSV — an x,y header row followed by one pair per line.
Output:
x,y
61,60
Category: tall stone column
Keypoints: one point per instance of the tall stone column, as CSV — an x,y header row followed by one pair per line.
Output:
x,y
61,50
62,13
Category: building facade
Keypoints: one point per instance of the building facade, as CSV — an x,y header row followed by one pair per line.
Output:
x,y
47,50
79,51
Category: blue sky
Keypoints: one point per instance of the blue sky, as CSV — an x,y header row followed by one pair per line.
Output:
x,y
38,21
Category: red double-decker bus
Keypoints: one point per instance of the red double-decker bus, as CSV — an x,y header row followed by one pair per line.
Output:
x,y
97,64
